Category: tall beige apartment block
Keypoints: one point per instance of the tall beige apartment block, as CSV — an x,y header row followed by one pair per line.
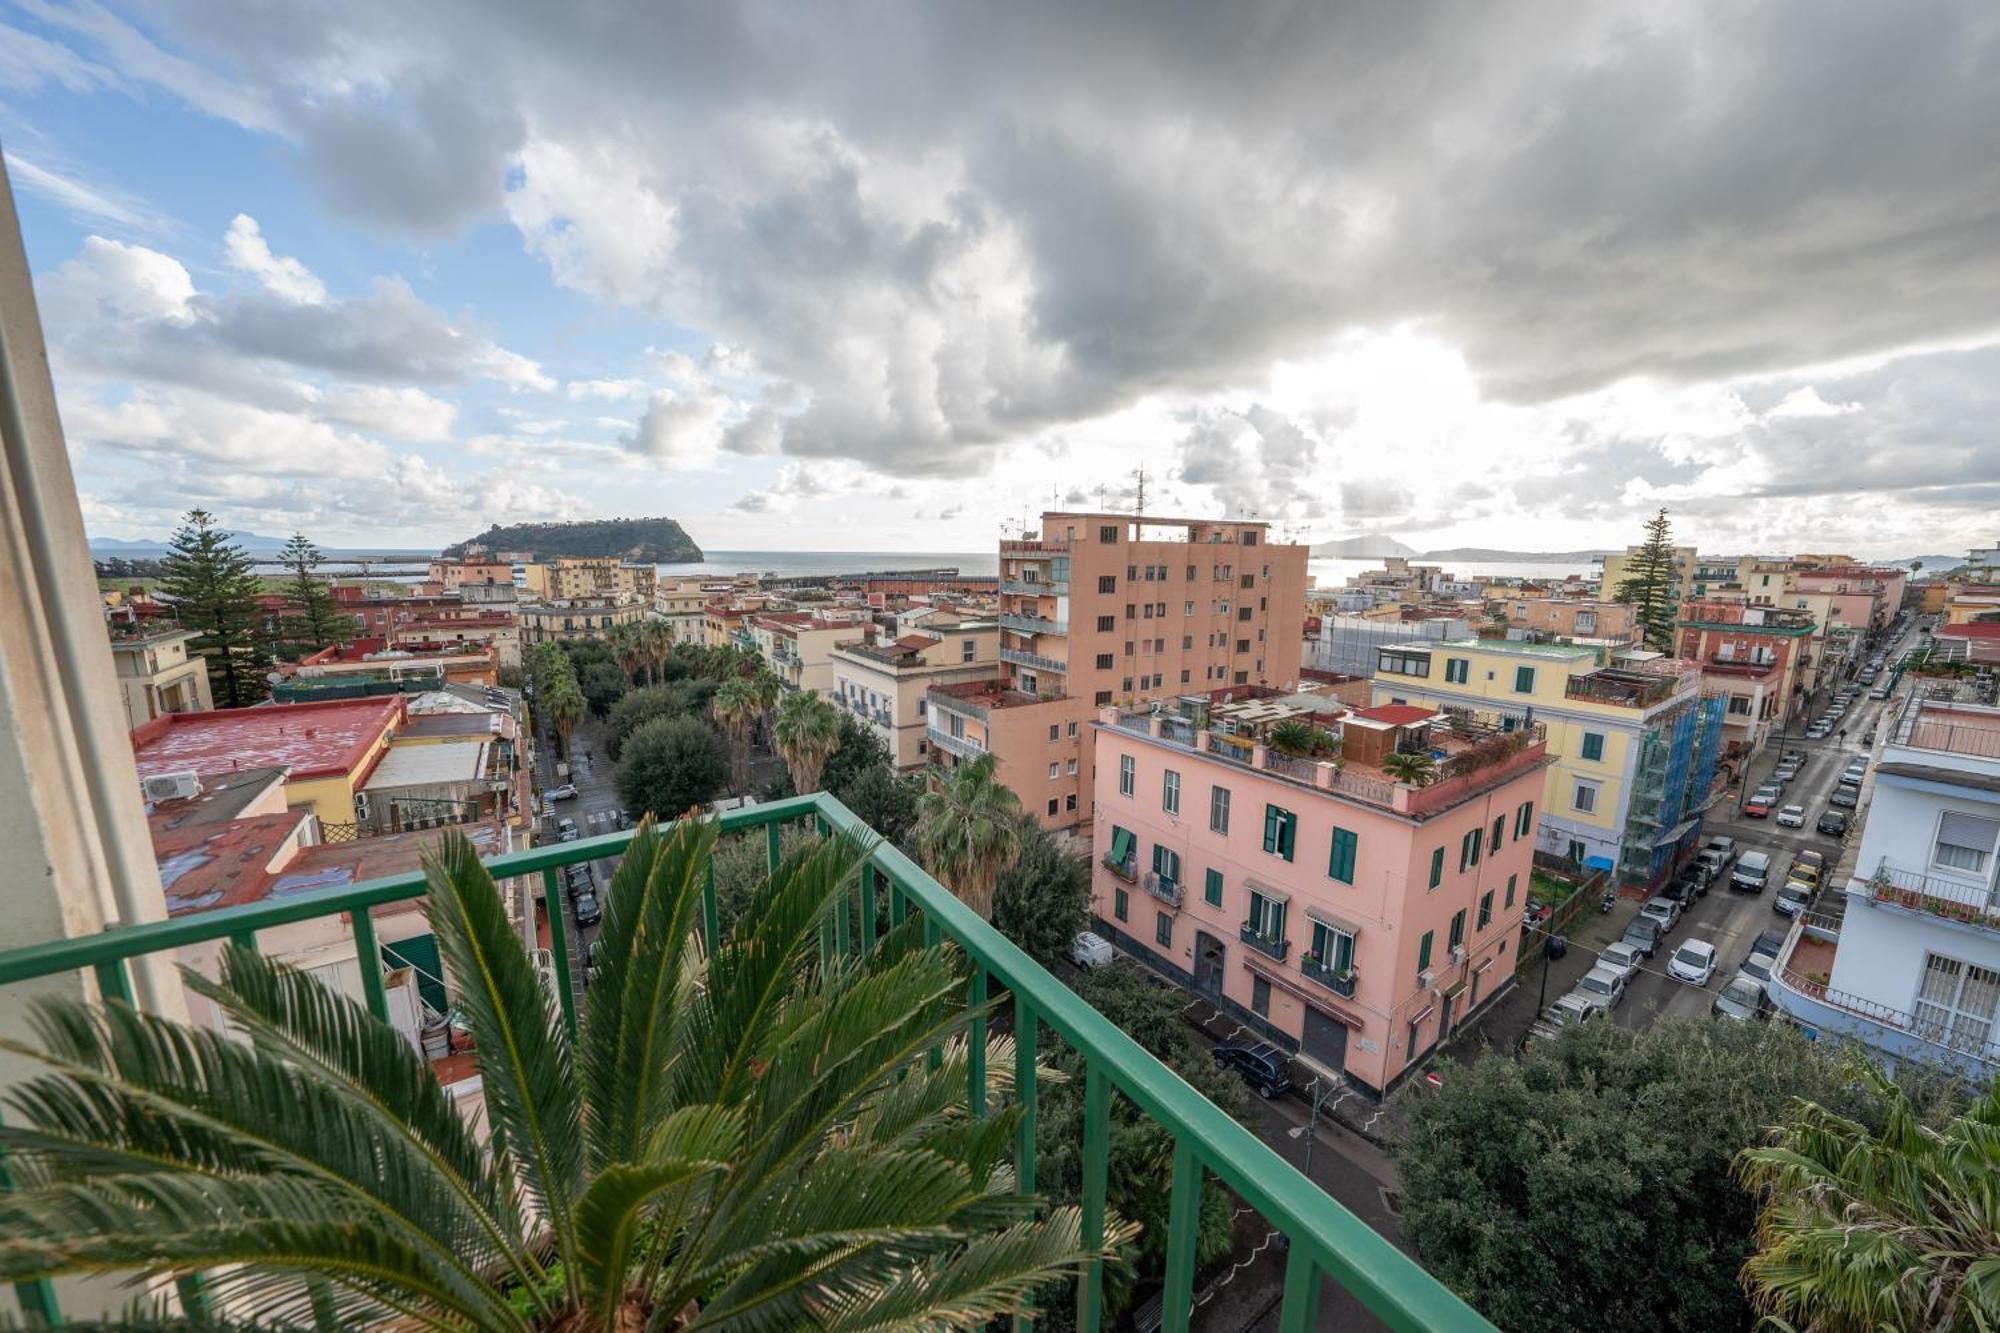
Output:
x,y
1117,609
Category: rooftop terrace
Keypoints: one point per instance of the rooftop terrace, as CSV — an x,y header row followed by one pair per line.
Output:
x,y
310,739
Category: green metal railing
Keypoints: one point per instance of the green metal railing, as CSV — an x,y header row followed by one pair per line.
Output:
x,y
1324,1238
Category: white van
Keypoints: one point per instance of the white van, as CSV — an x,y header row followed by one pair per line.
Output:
x,y
1753,871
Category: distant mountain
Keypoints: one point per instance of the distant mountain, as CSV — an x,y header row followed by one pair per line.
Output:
x,y
1537,557
646,540
249,541
1363,548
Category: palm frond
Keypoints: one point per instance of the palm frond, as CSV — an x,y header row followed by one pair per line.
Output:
x,y
532,1100
691,1143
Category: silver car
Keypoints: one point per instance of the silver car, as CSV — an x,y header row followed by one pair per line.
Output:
x,y
1600,986
1743,999
1619,957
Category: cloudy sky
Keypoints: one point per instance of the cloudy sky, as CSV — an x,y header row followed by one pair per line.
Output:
x,y
890,276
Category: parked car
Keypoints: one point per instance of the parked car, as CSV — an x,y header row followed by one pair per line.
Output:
x,y
1712,864
1813,857
1850,777
1844,797
1761,805
1090,949
1833,823
1818,731
1643,934
1792,757
1792,898
1693,962
1619,957
1600,986
1568,1011
1684,888
1663,910
1792,816
1784,773
1753,871
565,830
1743,999
1805,872
1263,1066
588,911
566,792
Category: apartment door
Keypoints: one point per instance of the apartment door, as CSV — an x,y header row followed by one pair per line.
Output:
x,y
1324,1038
1208,960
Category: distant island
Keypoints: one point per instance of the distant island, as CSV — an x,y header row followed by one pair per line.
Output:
x,y
1384,548
1364,548
648,541
1538,557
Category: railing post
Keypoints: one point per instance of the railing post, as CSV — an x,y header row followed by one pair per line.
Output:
x,y
37,1297
975,1044
1183,1225
1300,1311
868,882
559,948
368,955
1096,1171
113,981
774,846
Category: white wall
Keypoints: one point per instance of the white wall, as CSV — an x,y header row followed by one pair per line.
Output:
x,y
1882,950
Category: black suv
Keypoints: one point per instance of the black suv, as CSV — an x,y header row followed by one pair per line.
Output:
x,y
1833,823
1264,1067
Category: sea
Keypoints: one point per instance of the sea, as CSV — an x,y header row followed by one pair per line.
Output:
x,y
1327,571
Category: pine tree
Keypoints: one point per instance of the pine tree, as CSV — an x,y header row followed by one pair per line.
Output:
x,y
1649,585
313,621
214,588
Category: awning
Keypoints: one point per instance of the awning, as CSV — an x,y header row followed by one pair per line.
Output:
x,y
1121,845
1302,992
1600,863
1326,918
1677,832
1452,991
1421,1014
1480,970
1265,890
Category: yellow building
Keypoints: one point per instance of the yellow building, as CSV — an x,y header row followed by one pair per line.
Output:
x,y
155,673
1621,728
546,622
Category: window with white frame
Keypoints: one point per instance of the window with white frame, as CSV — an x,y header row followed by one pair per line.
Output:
x,y
1965,843
1170,793
1956,1002
1585,798
1128,774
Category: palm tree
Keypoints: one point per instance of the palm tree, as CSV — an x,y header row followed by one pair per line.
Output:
x,y
1419,770
627,649
565,705
764,687
968,831
807,733
1863,1230
735,707
742,1139
658,639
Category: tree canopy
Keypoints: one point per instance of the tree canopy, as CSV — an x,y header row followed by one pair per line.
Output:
x,y
670,765
1649,585
1042,900
214,587
312,620
1587,1184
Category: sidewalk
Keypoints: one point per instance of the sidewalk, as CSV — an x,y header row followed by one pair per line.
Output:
x,y
1504,1026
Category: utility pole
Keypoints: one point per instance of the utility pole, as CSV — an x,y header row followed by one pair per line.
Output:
x,y
1312,1123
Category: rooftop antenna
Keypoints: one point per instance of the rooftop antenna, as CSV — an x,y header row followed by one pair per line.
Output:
x,y
1139,505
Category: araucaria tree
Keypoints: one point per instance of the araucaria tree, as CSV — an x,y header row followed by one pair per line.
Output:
x,y
1649,582
214,589
312,620
969,830
738,1139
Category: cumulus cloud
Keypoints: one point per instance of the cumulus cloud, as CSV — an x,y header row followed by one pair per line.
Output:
x,y
282,275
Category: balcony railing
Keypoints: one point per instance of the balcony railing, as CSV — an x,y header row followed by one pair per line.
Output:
x,y
1166,890
1325,1240
958,745
1021,624
1340,983
1263,943
1034,587
1892,886
1033,661
1125,870
1030,548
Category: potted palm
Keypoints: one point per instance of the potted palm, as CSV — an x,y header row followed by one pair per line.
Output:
x,y
742,1138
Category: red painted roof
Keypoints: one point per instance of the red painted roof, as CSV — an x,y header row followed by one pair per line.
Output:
x,y
1395,715
204,866
914,641
1978,629
310,739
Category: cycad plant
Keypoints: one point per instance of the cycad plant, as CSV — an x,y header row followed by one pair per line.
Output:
x,y
1862,1230
1419,770
745,1140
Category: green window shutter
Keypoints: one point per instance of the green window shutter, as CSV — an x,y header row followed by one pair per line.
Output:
x,y
1486,909
1524,680
1276,916
1424,952
1464,852
1343,952
1341,864
1257,905
1212,890
1510,889
420,952
1476,837
1270,828
1118,903
1458,928
1163,930
1437,866
1593,745
1121,845
1499,832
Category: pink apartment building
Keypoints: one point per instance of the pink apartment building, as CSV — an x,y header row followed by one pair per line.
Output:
x,y
1352,918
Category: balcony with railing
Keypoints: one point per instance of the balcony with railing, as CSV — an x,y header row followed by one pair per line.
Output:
x,y
963,747
1625,689
1033,661
1340,983
1168,891
1324,1240
1034,587
1267,945
1966,901
1801,990
1021,624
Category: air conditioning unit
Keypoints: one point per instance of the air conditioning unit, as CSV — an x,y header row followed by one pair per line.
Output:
x,y
171,787
1458,953
1426,979
361,815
